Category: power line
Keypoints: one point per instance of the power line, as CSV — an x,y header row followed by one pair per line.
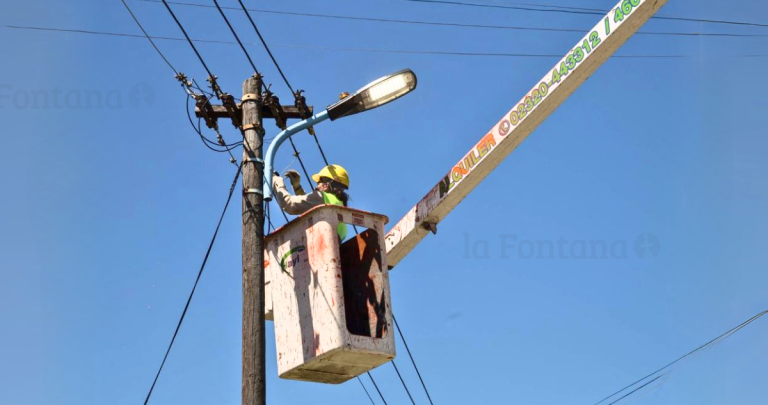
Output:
x,y
403,381
373,50
405,343
296,152
197,280
546,5
705,346
205,140
637,389
486,54
366,390
226,20
157,49
456,25
529,7
580,11
269,220
176,72
277,65
211,77
377,387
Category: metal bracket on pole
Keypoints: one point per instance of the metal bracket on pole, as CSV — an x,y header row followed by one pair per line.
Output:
x,y
234,111
304,111
273,104
253,191
203,105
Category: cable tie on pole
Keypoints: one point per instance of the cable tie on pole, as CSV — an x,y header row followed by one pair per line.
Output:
x,y
249,97
253,191
255,126
253,160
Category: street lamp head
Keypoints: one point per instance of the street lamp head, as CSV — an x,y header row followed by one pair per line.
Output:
x,y
375,94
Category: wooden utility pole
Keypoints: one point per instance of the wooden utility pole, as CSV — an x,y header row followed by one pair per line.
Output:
x,y
248,117
254,389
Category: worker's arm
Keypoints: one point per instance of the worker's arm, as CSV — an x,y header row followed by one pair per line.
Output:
x,y
294,204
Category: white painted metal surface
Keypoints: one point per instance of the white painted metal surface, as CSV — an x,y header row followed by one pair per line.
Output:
x,y
330,300
559,83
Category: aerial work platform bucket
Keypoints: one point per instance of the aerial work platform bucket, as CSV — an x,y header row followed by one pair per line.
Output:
x,y
330,298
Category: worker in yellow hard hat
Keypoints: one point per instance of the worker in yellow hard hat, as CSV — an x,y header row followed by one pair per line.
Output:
x,y
332,185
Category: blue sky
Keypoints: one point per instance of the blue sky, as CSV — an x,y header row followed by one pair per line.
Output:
x,y
106,213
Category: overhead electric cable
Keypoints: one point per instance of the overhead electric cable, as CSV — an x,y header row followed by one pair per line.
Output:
x,y
375,50
256,28
176,72
197,280
546,5
157,49
403,382
226,20
637,389
269,220
211,77
712,342
458,25
489,54
405,343
530,7
366,390
320,148
377,387
584,12
285,79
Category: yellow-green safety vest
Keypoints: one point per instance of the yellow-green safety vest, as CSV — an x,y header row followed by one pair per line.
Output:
x,y
341,228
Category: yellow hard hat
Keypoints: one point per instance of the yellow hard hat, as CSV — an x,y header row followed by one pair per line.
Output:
x,y
335,172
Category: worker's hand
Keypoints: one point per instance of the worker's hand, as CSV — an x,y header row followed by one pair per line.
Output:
x,y
292,174
295,179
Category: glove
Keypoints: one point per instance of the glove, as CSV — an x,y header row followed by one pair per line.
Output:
x,y
295,179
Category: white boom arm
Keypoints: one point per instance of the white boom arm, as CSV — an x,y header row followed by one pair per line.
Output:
x,y
568,74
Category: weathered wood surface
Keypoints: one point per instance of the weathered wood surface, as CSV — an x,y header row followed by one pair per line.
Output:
x,y
254,369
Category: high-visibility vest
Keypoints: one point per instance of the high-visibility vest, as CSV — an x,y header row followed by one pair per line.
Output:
x,y
341,228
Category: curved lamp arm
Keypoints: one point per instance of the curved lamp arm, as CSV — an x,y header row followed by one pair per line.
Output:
x,y
279,139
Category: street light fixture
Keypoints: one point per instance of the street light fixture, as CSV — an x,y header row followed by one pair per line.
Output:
x,y
373,95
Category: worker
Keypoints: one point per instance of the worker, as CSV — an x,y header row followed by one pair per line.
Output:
x,y
332,184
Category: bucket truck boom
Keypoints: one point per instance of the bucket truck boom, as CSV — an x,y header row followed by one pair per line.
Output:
x,y
567,75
